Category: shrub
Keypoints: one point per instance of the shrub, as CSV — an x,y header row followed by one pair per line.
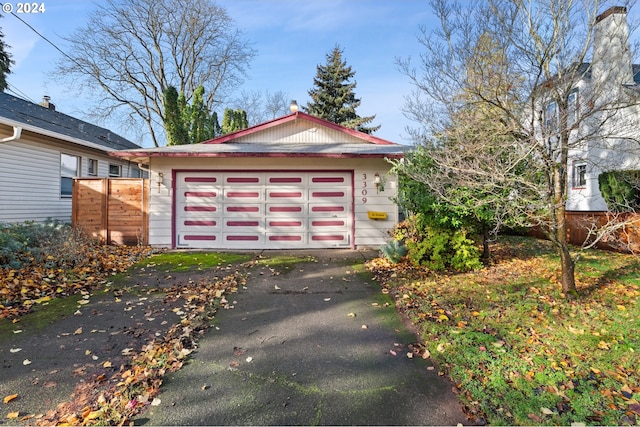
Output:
x,y
620,190
53,244
438,246
394,250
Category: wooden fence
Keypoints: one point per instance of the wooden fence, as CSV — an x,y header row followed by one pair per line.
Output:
x,y
116,210
626,238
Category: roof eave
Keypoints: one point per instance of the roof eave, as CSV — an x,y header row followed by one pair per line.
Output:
x,y
140,156
55,135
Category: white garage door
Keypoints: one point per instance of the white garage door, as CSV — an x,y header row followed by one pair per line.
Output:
x,y
263,210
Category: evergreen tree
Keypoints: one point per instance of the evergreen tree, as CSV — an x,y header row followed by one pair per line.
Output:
x,y
234,120
5,62
188,124
333,97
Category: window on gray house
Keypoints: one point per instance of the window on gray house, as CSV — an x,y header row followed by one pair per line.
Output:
x,y
69,166
579,175
572,107
92,167
115,170
551,118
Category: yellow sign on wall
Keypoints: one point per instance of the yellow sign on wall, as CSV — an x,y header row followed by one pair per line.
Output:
x,y
377,215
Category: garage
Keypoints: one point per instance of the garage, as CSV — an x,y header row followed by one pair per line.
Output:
x,y
263,210
295,182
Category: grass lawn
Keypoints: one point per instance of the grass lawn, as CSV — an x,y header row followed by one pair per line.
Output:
x,y
519,352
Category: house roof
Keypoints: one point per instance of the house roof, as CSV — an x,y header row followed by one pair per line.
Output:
x,y
294,135
36,118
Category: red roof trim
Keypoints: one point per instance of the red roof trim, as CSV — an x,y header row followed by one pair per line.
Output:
x,y
295,116
138,154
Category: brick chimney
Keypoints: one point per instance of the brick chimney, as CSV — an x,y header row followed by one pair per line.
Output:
x,y
47,104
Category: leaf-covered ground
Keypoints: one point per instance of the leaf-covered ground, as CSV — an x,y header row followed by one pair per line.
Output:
x,y
519,352
38,282
123,389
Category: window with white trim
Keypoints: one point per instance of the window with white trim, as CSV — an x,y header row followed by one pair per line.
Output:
x,y
579,175
115,170
69,167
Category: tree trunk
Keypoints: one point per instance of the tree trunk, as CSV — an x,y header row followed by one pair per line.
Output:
x,y
485,243
568,272
567,263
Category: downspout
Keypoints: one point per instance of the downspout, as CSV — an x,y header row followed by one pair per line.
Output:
x,y
17,133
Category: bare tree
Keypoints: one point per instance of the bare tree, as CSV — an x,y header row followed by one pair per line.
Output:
x,y
130,52
262,106
508,97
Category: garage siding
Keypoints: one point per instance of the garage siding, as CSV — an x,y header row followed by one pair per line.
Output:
x,y
365,232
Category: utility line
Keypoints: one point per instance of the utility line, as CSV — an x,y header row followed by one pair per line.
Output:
x,y
41,36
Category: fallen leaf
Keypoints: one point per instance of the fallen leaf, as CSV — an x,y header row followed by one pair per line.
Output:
x,y
106,364
13,415
351,315
15,350
327,299
78,331
26,362
364,326
249,359
156,402
393,353
546,411
9,398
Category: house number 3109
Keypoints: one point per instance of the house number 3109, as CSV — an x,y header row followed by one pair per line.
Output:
x,y
364,188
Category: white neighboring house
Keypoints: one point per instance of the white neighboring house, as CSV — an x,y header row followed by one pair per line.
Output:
x,y
615,144
42,150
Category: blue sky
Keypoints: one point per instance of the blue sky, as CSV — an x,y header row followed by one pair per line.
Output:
x,y
291,38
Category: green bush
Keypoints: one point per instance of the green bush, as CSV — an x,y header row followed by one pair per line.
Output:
x,y
620,190
438,246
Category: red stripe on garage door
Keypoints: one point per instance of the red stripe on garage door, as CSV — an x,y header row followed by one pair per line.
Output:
x,y
200,194
189,237
293,194
196,223
329,237
243,223
281,180
200,179
242,180
327,209
327,179
285,223
285,209
285,238
328,194
243,209
200,208
327,223
242,238
243,194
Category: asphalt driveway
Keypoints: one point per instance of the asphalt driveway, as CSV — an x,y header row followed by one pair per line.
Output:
x,y
316,345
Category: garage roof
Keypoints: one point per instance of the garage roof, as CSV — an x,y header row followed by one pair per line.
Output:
x,y
294,135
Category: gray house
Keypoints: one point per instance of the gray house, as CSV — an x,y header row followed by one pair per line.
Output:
x,y
42,150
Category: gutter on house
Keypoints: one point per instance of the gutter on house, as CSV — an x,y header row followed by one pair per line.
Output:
x,y
17,133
